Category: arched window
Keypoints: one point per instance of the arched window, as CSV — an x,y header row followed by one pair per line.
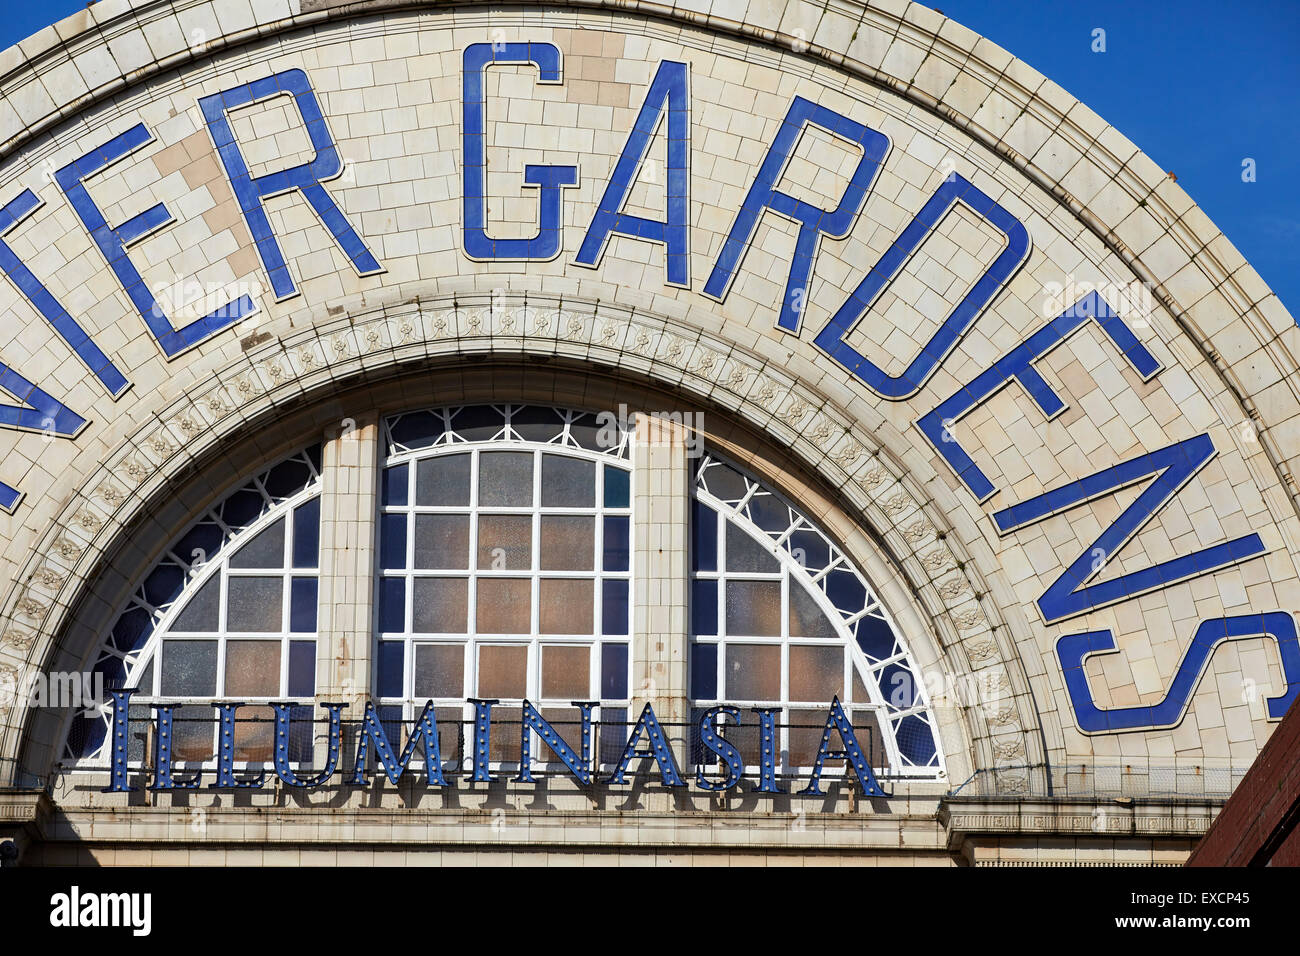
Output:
x,y
781,618
228,612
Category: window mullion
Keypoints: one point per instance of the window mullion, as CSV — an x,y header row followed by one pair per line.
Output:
x,y
346,593
660,509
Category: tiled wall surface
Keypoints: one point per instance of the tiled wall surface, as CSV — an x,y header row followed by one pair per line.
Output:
x,y
1089,207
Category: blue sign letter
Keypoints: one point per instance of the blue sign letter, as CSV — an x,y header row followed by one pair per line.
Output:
x,y
836,720
283,713
1073,650
226,779
767,744
425,729
118,735
40,412
1173,466
549,179
163,779
307,178
659,749
482,739
1017,365
813,222
34,292
667,89
576,763
113,242
717,744
953,190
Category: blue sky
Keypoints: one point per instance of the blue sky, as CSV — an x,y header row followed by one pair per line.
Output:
x,y
1198,86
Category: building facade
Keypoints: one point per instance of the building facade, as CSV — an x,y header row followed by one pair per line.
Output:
x,y
710,432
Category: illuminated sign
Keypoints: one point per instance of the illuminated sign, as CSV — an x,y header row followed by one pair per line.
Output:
x,y
424,737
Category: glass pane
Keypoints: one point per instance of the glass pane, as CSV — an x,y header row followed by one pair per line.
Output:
x,y
613,607
587,431
567,723
392,541
613,672
568,542
440,606
254,604
898,686
132,630
442,541
193,730
860,694
536,422
502,671
505,734
769,513
200,614
286,478
806,618
566,672
566,606
306,535
393,485
189,669
302,605
503,606
876,638
443,481
704,544
254,734
618,487
242,508
439,670
302,668
252,669
266,550
389,667
867,729
915,740
725,482
704,671
568,482
746,554
816,673
301,734
753,672
754,608
200,544
616,544
417,429
478,422
392,605
845,590
806,729
145,679
811,549
704,607
505,479
505,542
613,733
450,730
163,585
